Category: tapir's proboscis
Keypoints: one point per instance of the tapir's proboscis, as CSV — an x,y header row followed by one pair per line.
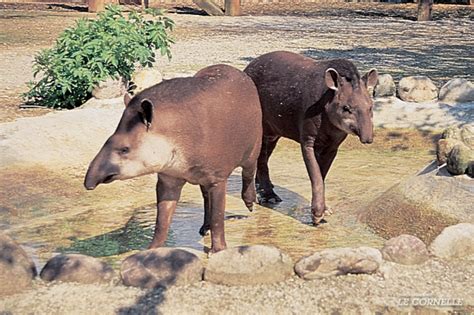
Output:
x,y
195,130
317,104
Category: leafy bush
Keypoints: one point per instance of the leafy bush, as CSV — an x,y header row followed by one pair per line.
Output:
x,y
94,50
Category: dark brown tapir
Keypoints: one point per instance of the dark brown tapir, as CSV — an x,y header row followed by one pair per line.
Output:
x,y
195,130
316,103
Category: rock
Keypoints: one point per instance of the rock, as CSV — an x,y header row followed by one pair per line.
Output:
x,y
405,249
161,267
452,132
452,137
77,268
459,159
456,241
17,270
422,205
110,88
457,90
443,148
145,78
385,86
339,261
417,89
467,135
246,265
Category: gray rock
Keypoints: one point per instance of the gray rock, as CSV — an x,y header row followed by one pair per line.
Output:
x,y
467,135
145,78
453,132
77,268
110,88
17,270
405,249
246,265
339,261
459,159
417,89
161,267
422,205
456,241
443,149
457,90
385,86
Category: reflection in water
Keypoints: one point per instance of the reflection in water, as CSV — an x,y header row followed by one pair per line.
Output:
x,y
138,233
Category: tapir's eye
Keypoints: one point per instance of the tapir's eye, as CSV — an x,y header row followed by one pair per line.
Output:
x,y
347,109
124,150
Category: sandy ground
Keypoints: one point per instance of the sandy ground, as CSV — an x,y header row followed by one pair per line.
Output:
x,y
393,44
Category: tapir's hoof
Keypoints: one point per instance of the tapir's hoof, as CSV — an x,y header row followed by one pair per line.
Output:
x,y
317,220
204,230
250,207
268,198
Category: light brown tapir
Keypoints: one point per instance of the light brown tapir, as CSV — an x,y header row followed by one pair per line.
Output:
x,y
315,103
196,130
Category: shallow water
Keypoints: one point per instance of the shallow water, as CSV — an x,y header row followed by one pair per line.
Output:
x,y
49,211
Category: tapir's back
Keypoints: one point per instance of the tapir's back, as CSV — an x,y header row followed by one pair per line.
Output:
x,y
214,117
288,85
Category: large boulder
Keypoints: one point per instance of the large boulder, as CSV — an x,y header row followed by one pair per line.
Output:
x,y
77,268
385,86
246,265
161,267
405,249
417,89
17,270
422,205
339,261
455,241
458,91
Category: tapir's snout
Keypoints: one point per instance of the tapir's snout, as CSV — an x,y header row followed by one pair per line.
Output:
x,y
100,173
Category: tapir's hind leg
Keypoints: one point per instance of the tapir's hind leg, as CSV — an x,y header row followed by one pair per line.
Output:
x,y
207,212
168,191
264,184
217,211
249,194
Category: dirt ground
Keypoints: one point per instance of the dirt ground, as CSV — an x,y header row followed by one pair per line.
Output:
x,y
373,35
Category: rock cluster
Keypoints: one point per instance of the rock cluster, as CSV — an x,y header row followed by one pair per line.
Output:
x,y
456,149
242,265
421,89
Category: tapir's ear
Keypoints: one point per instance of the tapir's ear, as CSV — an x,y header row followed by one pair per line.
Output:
x,y
127,98
370,78
332,79
147,113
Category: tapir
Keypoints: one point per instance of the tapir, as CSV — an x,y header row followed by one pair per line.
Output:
x,y
187,130
315,103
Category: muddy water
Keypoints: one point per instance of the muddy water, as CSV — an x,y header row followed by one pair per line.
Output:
x,y
49,211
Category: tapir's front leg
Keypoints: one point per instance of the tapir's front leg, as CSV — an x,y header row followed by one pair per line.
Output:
x,y
217,209
318,204
168,191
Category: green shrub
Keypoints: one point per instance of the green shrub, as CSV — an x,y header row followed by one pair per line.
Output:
x,y
92,51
